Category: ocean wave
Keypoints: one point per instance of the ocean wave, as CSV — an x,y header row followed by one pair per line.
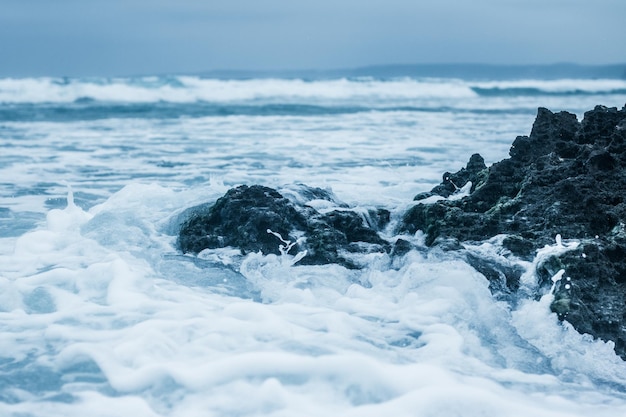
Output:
x,y
192,89
65,99
185,89
565,87
86,109
531,91
97,314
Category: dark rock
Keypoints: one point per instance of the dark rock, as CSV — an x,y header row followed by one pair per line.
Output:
x,y
475,171
518,245
401,247
538,193
566,178
243,216
593,295
351,225
503,278
378,219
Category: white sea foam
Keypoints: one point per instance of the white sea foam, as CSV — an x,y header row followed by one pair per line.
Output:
x,y
102,316
191,89
187,89
427,338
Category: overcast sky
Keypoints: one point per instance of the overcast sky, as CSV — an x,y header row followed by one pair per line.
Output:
x,y
128,37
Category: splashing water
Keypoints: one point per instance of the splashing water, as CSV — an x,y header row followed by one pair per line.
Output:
x,y
101,315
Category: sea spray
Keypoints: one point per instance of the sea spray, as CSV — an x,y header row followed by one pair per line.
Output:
x,y
102,315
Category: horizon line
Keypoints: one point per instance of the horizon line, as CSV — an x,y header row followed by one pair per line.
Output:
x,y
422,69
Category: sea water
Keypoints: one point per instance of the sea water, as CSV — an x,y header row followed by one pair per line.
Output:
x,y
101,315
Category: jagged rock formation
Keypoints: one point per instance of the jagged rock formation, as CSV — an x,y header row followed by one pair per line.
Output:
x,y
243,216
568,178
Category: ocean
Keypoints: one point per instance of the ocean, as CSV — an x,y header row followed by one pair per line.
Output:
x,y
102,315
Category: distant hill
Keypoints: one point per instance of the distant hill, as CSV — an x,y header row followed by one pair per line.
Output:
x,y
462,71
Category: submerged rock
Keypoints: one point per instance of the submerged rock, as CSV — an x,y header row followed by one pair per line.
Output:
x,y
568,178
244,217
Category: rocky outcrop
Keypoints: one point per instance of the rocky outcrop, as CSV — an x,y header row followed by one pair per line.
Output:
x,y
567,177
252,219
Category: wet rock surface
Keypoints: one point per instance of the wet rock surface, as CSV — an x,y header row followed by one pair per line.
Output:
x,y
567,177
243,216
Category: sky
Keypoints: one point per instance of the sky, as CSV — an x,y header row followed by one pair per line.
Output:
x,y
138,37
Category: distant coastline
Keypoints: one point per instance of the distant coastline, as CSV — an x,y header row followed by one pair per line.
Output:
x,y
462,71
471,71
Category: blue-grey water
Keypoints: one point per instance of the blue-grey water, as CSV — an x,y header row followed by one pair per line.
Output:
x,y
100,315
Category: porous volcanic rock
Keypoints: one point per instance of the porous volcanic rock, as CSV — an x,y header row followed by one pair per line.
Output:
x,y
243,216
567,177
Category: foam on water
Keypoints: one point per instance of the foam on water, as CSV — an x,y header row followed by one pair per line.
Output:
x,y
101,315
563,86
369,158
95,320
364,91
189,89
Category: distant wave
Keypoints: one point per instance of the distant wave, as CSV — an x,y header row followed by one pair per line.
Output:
x,y
531,91
186,89
90,110
563,87
65,99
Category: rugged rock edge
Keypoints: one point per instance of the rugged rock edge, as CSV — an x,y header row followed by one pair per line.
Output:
x,y
566,178
253,217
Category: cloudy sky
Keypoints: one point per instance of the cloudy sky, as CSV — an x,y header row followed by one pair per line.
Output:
x,y
127,37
